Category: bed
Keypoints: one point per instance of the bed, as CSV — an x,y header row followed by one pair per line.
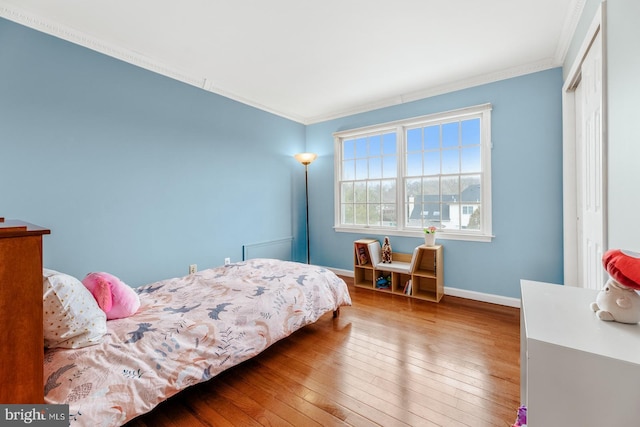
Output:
x,y
187,331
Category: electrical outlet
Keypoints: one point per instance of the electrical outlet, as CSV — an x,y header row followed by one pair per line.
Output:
x,y
193,268
227,261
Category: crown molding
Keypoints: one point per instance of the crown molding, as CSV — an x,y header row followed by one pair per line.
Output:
x,y
49,27
77,37
55,29
572,18
479,80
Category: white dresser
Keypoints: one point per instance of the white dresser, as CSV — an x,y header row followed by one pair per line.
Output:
x,y
576,370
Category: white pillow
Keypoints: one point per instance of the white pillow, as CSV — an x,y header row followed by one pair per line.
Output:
x,y
72,318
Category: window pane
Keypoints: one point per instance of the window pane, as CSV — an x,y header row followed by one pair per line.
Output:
x,y
389,167
470,159
414,139
450,161
431,214
413,201
389,215
432,137
374,215
361,214
450,203
389,143
389,191
471,220
450,188
346,192
373,191
450,134
348,149
348,169
361,147
362,171
431,186
432,163
470,189
414,211
471,132
360,191
375,167
373,157
347,214
375,145
430,198
413,187
414,164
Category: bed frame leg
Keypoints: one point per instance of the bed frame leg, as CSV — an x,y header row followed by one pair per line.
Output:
x,y
336,312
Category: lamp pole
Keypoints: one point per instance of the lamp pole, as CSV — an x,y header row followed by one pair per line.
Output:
x,y
306,196
306,159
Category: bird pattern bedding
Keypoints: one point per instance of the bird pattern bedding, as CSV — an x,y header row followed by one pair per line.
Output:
x,y
186,331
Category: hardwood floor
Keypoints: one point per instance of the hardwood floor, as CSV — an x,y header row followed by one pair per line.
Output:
x,y
387,360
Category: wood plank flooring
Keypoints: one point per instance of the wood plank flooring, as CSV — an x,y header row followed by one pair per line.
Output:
x,y
387,361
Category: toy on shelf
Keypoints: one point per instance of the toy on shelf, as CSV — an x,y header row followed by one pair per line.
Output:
x,y
618,300
386,251
383,282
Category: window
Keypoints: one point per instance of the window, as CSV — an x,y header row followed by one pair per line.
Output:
x,y
401,177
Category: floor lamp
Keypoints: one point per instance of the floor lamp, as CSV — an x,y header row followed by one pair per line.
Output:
x,y
306,159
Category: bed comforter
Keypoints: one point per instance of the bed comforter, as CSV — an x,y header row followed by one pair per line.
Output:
x,y
186,331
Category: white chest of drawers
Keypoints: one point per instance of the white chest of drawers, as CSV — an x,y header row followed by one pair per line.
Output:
x,y
576,370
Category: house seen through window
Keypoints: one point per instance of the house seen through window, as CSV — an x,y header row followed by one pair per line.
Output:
x,y
401,177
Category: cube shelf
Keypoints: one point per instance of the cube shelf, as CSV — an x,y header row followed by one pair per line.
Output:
x,y
418,275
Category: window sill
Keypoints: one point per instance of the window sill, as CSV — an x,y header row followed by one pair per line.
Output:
x,y
441,235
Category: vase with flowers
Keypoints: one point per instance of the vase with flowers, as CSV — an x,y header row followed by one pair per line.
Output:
x,y
430,236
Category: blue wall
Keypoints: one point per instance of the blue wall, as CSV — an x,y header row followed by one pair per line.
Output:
x,y
526,186
134,173
140,175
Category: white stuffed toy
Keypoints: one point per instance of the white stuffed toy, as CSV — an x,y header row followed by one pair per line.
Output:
x,y
618,300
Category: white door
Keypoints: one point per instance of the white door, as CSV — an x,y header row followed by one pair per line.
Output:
x,y
590,169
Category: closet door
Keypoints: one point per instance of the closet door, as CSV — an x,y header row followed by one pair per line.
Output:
x,y
584,162
590,165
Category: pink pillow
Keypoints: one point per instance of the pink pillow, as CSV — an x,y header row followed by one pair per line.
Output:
x,y
114,297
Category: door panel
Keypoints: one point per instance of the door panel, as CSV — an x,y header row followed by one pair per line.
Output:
x,y
590,170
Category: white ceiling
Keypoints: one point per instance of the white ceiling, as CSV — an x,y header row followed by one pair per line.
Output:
x,y
315,60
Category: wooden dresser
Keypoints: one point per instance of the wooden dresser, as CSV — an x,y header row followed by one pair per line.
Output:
x,y
21,333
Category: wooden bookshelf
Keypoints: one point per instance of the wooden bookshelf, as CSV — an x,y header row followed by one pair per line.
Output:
x,y
423,268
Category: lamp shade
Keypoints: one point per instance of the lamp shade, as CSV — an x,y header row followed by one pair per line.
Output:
x,y
306,158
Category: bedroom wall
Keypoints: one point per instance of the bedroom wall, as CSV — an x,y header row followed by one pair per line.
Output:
x,y
134,173
526,187
623,86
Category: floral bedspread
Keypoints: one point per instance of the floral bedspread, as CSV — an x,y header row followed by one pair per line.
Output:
x,y
187,330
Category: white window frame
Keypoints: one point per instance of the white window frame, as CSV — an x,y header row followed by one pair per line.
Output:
x,y
482,111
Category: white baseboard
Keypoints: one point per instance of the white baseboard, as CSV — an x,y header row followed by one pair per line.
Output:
x,y
455,292
340,272
480,296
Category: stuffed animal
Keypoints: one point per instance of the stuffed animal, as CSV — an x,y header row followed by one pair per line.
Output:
x,y
386,251
618,300
114,297
521,418
383,282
